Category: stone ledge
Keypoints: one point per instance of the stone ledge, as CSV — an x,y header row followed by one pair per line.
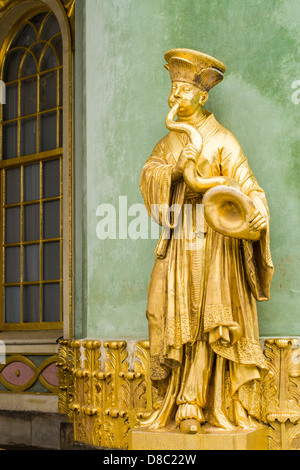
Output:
x,y
31,429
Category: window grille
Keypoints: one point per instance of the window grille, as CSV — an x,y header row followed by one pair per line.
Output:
x,y
31,177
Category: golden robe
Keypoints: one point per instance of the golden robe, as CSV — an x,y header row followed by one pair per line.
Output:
x,y
202,280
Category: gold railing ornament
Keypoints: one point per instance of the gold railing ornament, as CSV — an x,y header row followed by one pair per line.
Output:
x,y
281,393
104,403
107,402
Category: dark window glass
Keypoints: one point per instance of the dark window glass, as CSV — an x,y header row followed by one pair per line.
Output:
x,y
51,302
28,96
48,131
49,59
51,258
31,263
9,141
29,66
10,110
51,221
28,136
31,304
50,28
31,182
12,264
25,37
51,179
57,43
12,186
31,212
38,19
48,91
37,50
12,65
31,222
12,304
12,225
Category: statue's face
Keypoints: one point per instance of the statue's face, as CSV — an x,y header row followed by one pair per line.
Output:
x,y
189,96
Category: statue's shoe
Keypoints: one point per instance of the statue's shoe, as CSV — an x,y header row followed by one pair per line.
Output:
x,y
190,426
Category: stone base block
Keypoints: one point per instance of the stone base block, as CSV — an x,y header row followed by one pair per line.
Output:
x,y
31,429
209,439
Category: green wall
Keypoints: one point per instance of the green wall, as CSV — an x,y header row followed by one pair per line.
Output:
x,y
120,108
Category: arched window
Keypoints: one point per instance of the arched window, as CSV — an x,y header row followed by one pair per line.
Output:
x,y
31,166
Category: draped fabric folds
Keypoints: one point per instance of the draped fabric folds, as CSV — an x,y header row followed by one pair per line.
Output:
x,y
204,286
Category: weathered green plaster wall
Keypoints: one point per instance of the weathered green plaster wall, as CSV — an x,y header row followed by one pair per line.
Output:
x,y
121,104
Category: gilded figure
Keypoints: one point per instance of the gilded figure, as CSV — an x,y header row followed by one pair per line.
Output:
x,y
212,261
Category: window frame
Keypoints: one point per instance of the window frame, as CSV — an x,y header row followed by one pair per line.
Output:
x,y
64,154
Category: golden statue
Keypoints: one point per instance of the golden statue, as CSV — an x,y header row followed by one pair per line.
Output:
x,y
208,275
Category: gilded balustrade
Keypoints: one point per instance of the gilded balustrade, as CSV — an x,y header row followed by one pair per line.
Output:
x,y
104,395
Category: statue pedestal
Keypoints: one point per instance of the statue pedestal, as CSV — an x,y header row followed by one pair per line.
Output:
x,y
209,439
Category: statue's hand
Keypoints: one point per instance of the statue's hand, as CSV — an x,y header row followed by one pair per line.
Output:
x,y
258,222
230,182
188,153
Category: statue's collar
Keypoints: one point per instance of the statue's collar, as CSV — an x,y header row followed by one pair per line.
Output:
x,y
208,125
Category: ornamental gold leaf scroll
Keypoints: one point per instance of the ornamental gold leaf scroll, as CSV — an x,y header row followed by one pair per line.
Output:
x,y
104,402
105,396
281,393
69,7
4,4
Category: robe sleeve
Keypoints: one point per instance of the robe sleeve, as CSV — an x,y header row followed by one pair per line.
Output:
x,y
160,194
257,255
156,183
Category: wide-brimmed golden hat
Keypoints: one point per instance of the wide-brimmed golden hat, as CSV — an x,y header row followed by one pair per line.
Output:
x,y
228,211
201,70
